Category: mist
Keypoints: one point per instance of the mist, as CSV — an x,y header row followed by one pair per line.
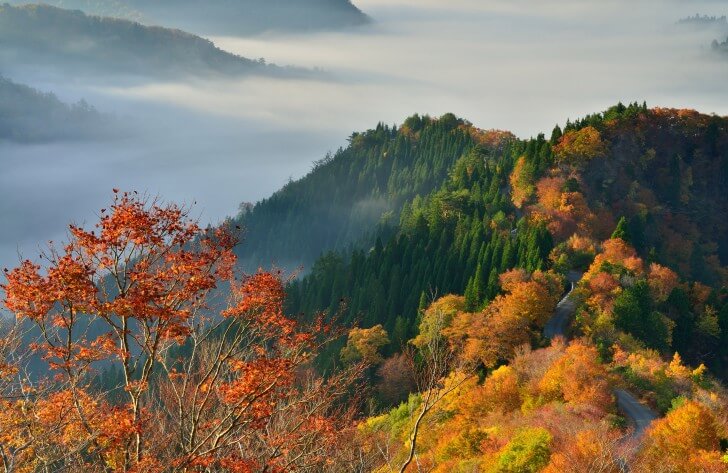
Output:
x,y
522,65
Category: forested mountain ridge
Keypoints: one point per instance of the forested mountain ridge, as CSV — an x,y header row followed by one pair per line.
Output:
x,y
45,36
28,115
660,174
346,195
624,196
239,17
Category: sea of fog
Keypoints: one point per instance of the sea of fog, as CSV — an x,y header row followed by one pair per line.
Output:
x,y
522,65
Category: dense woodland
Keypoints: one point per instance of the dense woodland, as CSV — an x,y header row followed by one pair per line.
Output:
x,y
457,239
244,17
28,115
45,36
657,176
346,195
416,341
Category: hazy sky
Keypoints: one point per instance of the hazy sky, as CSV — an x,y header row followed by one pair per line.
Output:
x,y
522,65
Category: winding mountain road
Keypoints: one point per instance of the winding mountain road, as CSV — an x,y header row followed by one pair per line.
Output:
x,y
558,323
640,415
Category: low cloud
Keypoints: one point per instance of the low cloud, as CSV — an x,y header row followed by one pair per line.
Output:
x,y
522,65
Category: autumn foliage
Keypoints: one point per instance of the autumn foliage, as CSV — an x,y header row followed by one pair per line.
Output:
x,y
578,146
511,320
200,389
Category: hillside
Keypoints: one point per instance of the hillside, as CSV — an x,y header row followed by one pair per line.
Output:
x,y
634,197
45,36
346,195
244,17
28,115
392,235
664,172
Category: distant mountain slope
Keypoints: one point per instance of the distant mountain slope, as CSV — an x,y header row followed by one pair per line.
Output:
x,y
235,17
28,115
252,16
41,35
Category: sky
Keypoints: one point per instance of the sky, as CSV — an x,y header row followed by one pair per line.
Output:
x,y
520,65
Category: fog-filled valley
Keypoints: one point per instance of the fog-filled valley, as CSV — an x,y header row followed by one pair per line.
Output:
x,y
364,236
224,135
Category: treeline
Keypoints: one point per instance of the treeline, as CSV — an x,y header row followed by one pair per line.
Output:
x,y
721,47
704,20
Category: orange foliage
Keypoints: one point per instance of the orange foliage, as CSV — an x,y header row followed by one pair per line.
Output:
x,y
564,213
511,279
687,436
494,139
509,320
604,289
617,252
578,377
549,190
589,450
582,244
500,392
143,277
662,281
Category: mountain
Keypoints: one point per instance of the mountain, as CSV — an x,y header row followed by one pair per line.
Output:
x,y
45,36
634,198
233,17
28,115
437,206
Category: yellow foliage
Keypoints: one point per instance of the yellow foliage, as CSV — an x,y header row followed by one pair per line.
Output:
x,y
577,377
364,345
438,317
579,146
521,183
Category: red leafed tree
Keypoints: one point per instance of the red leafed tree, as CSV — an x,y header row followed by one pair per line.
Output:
x,y
201,387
